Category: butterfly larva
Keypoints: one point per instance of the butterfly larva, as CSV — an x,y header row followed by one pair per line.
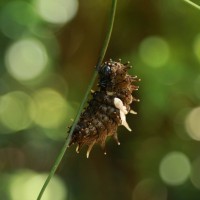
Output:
x,y
108,107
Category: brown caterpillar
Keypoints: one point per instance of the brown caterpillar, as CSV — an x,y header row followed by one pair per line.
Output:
x,y
108,107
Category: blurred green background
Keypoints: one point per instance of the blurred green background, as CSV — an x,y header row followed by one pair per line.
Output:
x,y
48,50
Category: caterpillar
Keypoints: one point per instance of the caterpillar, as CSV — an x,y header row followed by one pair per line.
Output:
x,y
107,108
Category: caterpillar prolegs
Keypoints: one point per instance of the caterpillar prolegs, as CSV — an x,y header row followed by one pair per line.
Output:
x,y
108,107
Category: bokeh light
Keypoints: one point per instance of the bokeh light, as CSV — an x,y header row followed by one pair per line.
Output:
x,y
149,189
196,47
175,168
16,17
49,109
57,12
154,51
14,113
26,59
26,184
192,123
195,173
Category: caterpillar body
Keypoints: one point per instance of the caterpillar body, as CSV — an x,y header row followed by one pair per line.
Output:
x,y
108,107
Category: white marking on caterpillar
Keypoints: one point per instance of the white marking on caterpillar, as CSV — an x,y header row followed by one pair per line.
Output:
x,y
123,111
124,122
119,104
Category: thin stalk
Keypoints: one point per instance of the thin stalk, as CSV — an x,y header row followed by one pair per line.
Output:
x,y
192,4
100,59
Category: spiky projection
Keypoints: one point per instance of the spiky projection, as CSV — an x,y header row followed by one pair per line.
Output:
x,y
108,107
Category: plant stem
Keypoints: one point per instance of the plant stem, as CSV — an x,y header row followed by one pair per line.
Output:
x,y
108,33
100,59
192,4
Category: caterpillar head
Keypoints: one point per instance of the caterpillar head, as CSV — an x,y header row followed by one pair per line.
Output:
x,y
105,73
111,72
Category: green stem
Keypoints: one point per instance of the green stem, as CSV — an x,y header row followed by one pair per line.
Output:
x,y
192,4
100,59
